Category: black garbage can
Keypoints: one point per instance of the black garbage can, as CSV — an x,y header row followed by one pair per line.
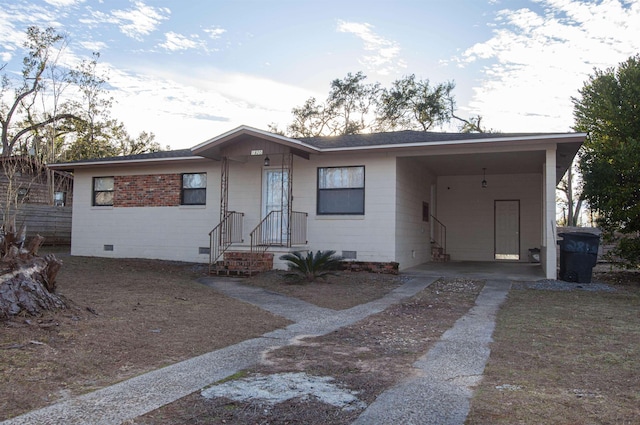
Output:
x,y
578,256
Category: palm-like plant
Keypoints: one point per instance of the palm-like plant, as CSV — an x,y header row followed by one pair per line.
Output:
x,y
312,265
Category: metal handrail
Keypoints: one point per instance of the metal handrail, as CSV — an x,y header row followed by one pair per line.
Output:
x,y
227,232
264,234
276,230
440,234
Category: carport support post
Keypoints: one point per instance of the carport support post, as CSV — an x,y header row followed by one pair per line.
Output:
x,y
548,257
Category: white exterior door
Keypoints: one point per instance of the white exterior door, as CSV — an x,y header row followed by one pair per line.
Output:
x,y
275,200
507,230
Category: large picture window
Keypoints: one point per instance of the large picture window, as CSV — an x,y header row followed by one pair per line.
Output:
x,y
341,190
194,189
103,191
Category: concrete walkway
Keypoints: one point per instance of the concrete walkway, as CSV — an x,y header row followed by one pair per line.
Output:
x,y
440,392
137,396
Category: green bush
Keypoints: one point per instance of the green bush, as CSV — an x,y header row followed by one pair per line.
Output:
x,y
312,265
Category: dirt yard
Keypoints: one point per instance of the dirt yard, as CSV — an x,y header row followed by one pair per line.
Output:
x,y
133,316
363,359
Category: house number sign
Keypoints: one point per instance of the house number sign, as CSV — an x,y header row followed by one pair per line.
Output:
x,y
256,152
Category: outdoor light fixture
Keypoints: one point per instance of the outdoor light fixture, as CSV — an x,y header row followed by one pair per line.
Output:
x,y
267,161
484,178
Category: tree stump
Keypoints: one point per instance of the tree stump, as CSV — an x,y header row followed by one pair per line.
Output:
x,y
28,282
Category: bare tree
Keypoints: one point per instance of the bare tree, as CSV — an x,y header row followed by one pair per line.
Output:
x,y
19,118
570,198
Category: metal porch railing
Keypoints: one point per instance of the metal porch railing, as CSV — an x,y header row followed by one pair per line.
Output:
x,y
227,232
439,236
276,229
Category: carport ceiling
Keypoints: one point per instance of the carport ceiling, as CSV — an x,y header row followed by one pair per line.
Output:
x,y
495,163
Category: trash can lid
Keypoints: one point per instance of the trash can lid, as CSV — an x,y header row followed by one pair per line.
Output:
x,y
585,235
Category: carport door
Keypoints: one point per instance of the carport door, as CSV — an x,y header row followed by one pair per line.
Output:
x,y
507,230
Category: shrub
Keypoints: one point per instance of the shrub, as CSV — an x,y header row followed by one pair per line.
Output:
x,y
312,265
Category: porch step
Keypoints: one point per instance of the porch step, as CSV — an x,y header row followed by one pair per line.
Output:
x,y
242,264
438,255
442,258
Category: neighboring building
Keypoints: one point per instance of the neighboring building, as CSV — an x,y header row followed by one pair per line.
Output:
x,y
376,198
34,183
38,197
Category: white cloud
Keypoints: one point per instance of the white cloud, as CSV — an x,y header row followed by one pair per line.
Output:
x,y
535,62
64,3
13,17
94,46
382,55
135,23
175,42
186,108
215,33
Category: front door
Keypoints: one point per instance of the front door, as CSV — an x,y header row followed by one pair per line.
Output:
x,y
507,230
275,205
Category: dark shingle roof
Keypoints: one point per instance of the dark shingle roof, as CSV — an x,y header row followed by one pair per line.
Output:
x,y
401,137
405,137
179,153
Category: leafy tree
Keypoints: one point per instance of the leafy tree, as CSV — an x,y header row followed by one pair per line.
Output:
x,y
346,111
352,100
94,135
608,109
412,104
311,119
312,265
354,107
144,143
98,135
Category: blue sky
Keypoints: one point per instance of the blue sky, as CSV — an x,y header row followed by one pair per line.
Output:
x,y
190,70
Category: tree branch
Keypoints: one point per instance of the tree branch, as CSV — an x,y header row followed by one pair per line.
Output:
x,y
35,126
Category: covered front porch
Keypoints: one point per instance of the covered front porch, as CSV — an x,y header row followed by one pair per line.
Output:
x,y
257,210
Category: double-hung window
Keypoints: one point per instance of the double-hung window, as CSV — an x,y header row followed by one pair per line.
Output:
x,y
341,190
194,189
103,191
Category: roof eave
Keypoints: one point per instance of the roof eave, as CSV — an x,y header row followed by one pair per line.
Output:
x,y
70,166
213,144
558,138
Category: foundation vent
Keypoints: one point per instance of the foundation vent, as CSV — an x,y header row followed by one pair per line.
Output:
x,y
349,255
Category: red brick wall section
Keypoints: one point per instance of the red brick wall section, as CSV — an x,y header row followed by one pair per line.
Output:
x,y
154,190
243,261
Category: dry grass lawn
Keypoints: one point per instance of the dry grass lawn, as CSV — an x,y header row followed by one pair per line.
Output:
x,y
564,358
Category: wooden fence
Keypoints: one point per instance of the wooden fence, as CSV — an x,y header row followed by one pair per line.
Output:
x,y
53,223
